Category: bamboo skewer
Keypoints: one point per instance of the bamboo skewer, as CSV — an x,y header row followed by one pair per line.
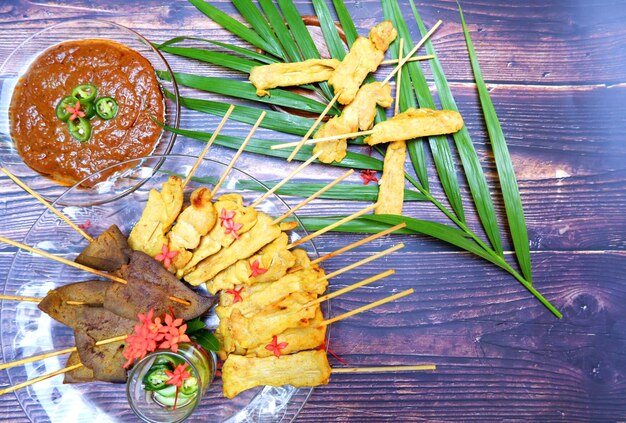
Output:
x,y
412,52
318,140
56,353
286,179
238,153
48,205
333,225
412,59
362,262
40,378
358,243
300,143
350,288
312,197
208,145
20,298
383,369
76,265
367,307
396,107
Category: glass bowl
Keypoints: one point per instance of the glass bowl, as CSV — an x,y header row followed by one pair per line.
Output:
x,y
18,62
26,331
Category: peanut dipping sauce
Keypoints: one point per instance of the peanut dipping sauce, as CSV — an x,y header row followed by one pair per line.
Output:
x,y
44,142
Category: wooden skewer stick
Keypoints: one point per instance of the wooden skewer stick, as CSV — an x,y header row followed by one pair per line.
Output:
x,y
333,226
317,140
75,265
412,59
312,197
20,298
350,288
412,52
40,378
383,369
367,307
286,179
238,153
358,243
208,145
362,262
56,353
396,107
48,205
300,143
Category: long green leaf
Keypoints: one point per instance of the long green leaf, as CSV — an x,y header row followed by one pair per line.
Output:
x,y
302,37
329,30
263,58
257,21
352,160
346,21
504,165
214,57
473,171
442,155
282,32
407,99
234,26
245,90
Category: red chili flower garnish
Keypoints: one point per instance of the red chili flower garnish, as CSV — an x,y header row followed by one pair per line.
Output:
x,y
166,256
256,270
177,378
226,215
75,111
236,293
275,347
174,333
232,228
323,347
368,176
85,225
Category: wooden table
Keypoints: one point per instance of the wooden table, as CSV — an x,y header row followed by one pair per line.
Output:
x,y
558,76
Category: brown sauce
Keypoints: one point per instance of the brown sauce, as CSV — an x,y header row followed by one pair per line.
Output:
x,y
44,142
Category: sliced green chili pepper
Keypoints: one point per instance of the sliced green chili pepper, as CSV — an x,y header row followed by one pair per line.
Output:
x,y
106,108
155,378
88,108
80,128
85,92
190,386
61,109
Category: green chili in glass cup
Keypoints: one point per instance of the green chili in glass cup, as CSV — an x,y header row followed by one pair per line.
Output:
x,y
155,401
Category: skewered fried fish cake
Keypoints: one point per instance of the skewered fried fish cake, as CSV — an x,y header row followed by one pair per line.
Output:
x,y
290,74
391,186
55,305
108,252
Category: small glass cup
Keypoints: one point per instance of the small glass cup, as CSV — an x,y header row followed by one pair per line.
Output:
x,y
202,366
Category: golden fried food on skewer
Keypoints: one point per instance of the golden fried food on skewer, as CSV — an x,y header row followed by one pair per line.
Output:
x,y
162,209
391,185
415,123
307,368
194,222
290,74
246,245
365,55
356,116
269,264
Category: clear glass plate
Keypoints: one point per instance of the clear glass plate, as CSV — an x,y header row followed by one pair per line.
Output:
x,y
26,331
20,59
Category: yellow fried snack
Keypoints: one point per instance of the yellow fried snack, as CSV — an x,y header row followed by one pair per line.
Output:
x,y
415,123
358,115
249,243
274,319
365,55
193,223
391,186
290,74
148,235
307,368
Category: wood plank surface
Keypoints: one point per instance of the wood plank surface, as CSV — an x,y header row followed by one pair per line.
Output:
x,y
557,73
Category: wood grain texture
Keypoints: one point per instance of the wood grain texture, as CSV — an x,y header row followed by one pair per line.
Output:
x,y
557,73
